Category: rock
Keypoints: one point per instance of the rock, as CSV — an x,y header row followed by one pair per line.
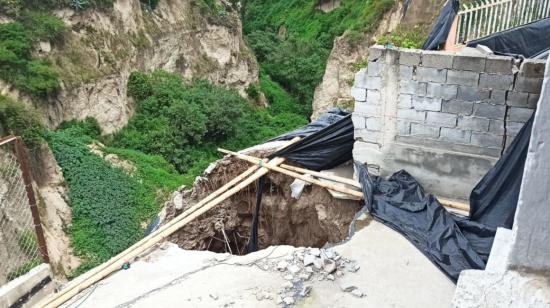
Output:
x,y
288,285
357,293
305,276
214,296
305,291
315,252
328,253
309,259
288,300
347,287
339,273
318,263
329,266
309,269
353,267
294,269
330,277
282,265
289,277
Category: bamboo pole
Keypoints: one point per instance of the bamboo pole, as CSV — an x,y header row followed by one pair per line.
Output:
x,y
283,169
296,175
172,226
321,175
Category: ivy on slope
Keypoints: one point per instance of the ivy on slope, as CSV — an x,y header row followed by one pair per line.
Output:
x,y
108,205
292,39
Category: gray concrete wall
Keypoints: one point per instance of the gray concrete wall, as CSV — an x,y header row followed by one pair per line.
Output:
x,y
445,118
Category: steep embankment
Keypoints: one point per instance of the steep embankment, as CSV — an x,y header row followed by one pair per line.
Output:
x,y
406,24
101,47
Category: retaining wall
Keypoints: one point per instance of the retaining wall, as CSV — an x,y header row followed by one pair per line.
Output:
x,y
445,118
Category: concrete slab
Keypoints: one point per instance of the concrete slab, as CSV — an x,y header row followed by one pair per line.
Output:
x,y
391,273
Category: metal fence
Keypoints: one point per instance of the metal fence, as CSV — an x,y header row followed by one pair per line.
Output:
x,y
484,17
22,244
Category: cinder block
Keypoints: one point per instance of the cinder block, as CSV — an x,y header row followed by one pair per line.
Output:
x,y
496,127
457,107
464,78
499,64
367,135
517,99
363,152
424,130
376,52
422,88
489,111
532,68
437,59
446,119
473,94
426,74
359,94
469,63
403,127
373,97
487,140
360,80
404,101
528,84
408,86
367,109
374,124
358,121
493,81
498,97
373,70
513,128
473,123
405,72
455,135
516,114
533,100
409,57
411,114
426,103
444,91
374,83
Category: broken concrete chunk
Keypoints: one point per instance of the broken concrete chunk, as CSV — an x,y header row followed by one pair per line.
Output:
x,y
328,253
288,300
305,291
357,293
289,277
347,287
282,265
315,251
318,263
353,267
309,269
214,296
294,269
329,266
305,276
308,259
330,277
288,285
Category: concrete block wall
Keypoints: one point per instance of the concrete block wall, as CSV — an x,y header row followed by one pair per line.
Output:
x,y
444,117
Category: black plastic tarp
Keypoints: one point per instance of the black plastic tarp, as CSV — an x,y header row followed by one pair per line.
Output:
x,y
440,31
528,41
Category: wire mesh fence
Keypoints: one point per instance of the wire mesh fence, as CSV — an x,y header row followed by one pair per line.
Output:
x,y
22,245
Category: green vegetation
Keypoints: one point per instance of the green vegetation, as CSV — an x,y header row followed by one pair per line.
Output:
x,y
185,122
19,120
17,66
109,205
292,39
413,37
15,7
23,269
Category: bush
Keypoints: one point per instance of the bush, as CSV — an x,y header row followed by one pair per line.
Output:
x,y
413,37
17,119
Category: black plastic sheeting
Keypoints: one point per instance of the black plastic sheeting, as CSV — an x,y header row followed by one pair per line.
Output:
x,y
493,201
440,31
527,41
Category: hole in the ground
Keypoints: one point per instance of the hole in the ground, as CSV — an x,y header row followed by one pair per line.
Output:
x,y
311,221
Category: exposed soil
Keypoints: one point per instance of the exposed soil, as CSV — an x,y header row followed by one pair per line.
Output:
x,y
311,221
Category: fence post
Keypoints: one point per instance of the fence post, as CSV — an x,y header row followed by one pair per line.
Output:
x,y
22,157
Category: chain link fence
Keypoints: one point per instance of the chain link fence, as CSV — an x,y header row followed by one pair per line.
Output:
x,y
22,245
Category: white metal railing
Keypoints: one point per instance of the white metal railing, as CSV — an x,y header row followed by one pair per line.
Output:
x,y
484,17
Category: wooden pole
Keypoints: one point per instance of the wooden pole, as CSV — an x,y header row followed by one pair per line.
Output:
x,y
321,175
175,224
445,202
